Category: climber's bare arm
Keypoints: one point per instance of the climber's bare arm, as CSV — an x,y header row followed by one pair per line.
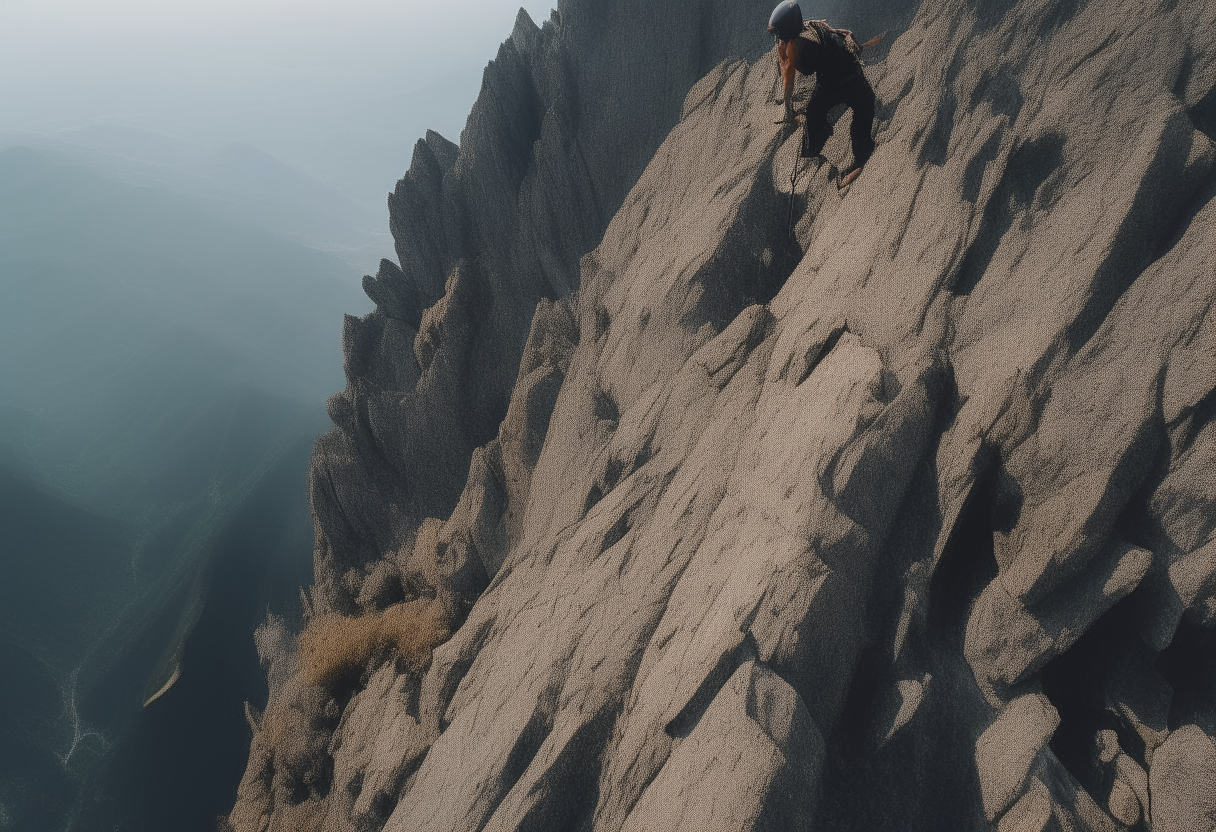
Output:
x,y
787,54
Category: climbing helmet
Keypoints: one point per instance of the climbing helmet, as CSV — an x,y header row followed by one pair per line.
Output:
x,y
786,20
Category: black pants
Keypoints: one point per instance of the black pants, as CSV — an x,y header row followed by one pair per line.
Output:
x,y
858,95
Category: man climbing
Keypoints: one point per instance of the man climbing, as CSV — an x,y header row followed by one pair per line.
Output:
x,y
833,56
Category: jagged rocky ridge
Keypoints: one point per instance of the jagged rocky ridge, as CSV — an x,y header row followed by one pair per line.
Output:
x,y
905,522
568,116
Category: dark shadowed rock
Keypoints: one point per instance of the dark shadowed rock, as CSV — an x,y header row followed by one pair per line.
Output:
x,y
1183,782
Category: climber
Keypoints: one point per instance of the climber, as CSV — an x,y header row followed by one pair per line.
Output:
x,y
833,55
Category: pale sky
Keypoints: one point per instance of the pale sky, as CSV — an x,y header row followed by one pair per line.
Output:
x,y
65,58
279,11
340,90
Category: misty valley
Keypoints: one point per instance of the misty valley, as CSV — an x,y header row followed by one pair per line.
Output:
x,y
163,370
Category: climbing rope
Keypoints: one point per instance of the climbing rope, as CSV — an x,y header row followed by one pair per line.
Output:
x,y
789,231
794,173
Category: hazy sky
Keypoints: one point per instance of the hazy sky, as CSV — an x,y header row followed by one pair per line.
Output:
x,y
48,33
341,90
52,51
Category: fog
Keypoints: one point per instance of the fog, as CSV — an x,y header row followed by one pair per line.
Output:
x,y
336,93
189,195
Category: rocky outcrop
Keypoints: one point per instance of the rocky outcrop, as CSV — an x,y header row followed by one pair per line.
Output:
x,y
569,115
875,510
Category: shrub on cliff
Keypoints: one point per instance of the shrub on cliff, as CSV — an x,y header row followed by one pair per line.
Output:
x,y
335,647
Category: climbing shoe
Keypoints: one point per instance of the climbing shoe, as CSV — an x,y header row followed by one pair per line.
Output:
x,y
849,179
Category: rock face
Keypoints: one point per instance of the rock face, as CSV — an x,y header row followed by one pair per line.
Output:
x,y
892,509
569,115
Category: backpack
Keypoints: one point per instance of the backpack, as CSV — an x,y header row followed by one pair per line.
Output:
x,y
843,44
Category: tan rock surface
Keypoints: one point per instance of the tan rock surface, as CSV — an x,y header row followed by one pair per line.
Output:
x,y
876,527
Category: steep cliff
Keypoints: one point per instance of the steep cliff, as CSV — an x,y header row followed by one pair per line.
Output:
x,y
790,508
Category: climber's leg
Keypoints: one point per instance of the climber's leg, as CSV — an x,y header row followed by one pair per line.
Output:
x,y
818,131
860,98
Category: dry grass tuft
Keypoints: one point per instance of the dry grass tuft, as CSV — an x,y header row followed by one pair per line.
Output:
x,y
415,628
333,647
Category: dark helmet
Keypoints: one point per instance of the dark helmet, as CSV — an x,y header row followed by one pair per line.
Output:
x,y
786,21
